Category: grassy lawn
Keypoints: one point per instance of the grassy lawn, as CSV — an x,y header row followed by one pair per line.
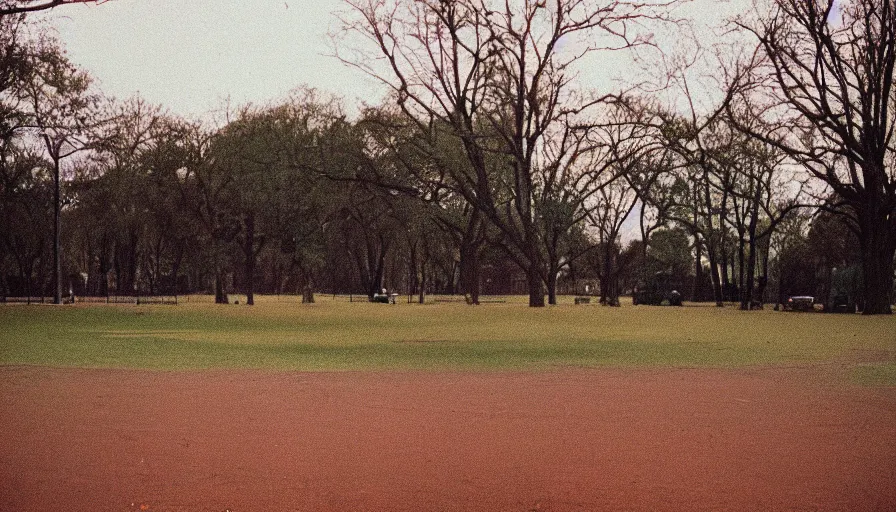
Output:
x,y
337,335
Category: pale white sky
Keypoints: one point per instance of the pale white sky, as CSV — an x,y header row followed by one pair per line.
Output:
x,y
189,56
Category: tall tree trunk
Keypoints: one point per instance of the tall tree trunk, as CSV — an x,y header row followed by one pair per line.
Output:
x,y
536,287
762,285
470,249
608,293
469,272
421,290
414,284
605,272
156,275
724,250
735,286
746,302
724,269
714,276
175,269
711,249
29,285
535,265
307,293
42,277
307,285
552,285
23,277
116,267
878,241
362,264
377,259
132,261
453,283
249,250
220,296
741,265
781,272
104,269
750,281
57,233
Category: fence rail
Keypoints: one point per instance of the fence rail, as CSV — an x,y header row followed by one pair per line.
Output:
x,y
131,299
281,298
25,300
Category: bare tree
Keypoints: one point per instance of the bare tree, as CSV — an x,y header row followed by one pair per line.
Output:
x,y
615,203
11,7
495,73
60,102
419,164
825,88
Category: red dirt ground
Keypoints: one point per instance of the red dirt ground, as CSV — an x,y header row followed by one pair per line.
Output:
x,y
758,439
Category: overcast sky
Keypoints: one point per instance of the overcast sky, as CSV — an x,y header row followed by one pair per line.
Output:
x,y
191,55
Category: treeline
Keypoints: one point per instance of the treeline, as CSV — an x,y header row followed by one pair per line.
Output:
x,y
489,169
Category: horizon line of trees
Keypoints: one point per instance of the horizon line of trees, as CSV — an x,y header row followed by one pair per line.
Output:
x,y
487,170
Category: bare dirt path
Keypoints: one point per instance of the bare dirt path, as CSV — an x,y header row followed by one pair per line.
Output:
x,y
761,439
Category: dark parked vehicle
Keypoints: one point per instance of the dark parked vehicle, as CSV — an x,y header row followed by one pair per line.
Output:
x,y
660,290
799,303
384,297
847,290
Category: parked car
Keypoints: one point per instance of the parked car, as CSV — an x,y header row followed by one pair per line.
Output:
x,y
661,289
799,303
384,297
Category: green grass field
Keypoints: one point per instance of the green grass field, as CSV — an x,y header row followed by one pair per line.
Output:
x,y
337,335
